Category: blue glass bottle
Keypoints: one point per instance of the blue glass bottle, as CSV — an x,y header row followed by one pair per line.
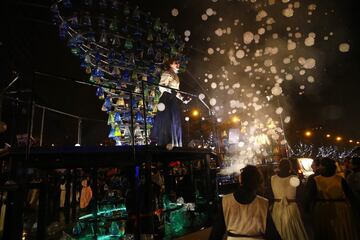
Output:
x,y
138,117
126,76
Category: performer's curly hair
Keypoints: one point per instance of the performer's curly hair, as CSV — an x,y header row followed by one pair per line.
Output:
x,y
170,61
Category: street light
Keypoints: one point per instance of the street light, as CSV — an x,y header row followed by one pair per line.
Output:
x,y
195,113
338,138
328,135
235,119
308,133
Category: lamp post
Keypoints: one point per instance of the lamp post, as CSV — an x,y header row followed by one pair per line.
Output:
x,y
187,119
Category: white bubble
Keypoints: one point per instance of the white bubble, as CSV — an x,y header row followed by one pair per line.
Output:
x,y
286,60
309,41
161,107
204,17
289,77
210,76
212,101
288,12
275,36
270,21
276,90
228,30
309,63
344,47
279,80
279,110
174,12
312,7
291,45
210,51
261,31
287,119
186,39
213,85
268,62
248,37
209,11
219,32
187,33
273,69
311,79
201,96
294,181
312,35
261,14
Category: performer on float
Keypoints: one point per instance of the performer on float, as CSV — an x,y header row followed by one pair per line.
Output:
x,y
167,124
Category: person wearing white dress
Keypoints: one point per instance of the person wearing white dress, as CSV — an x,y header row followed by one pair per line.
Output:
x,y
285,211
244,214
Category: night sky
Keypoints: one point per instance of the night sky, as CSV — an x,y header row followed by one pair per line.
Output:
x,y
29,43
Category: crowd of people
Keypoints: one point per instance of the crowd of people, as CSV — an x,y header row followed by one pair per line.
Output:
x,y
326,206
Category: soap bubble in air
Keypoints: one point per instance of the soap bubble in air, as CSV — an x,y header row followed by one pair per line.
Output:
x,y
344,47
161,107
212,101
174,12
294,181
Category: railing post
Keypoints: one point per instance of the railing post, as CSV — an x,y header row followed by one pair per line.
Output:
x,y
79,131
42,126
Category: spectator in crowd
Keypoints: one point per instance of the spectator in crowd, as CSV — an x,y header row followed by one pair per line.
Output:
x,y
244,214
285,211
332,210
353,179
315,166
86,194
